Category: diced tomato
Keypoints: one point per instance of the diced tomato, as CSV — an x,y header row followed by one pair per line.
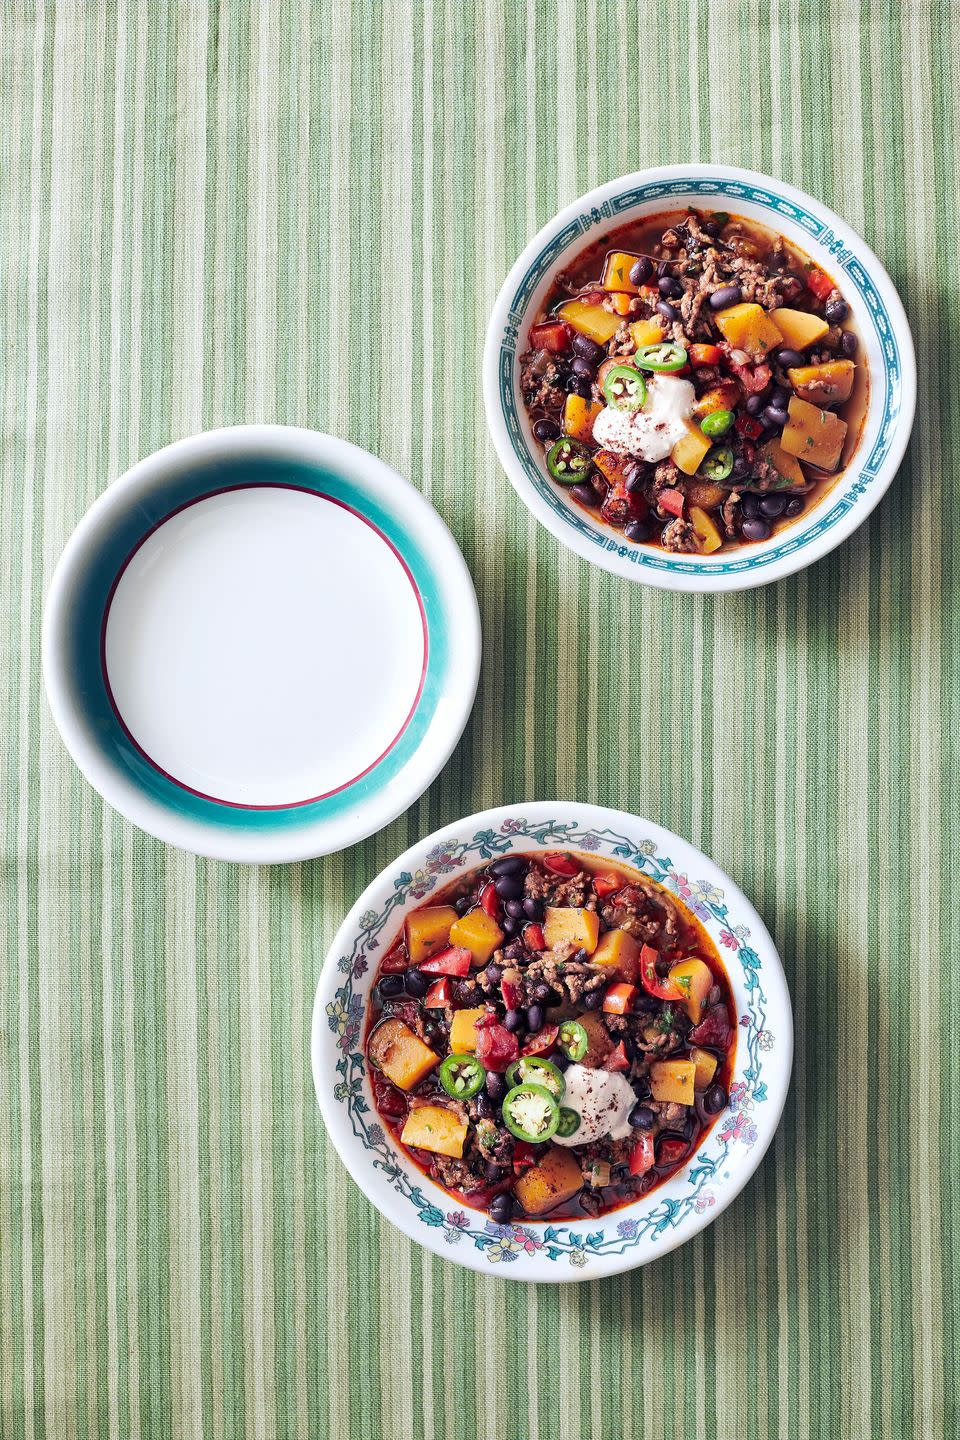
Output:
x,y
389,1099
663,989
533,937
672,1150
714,1029
439,994
560,864
395,963
593,297
552,335
543,1042
621,302
756,379
490,901
496,1047
704,355
671,501
618,1059
511,989
819,283
524,1156
619,999
455,960
748,427
641,1155
605,885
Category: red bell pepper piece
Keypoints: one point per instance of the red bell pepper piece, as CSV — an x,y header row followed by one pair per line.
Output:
x,y
605,885
704,355
389,1099
543,1042
618,1059
821,284
619,999
748,427
523,1156
714,1029
395,963
641,1155
533,937
560,864
671,501
439,994
663,989
671,1151
511,989
455,960
552,335
490,901
496,1047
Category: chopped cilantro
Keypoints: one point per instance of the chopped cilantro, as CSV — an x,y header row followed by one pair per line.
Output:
x,y
665,1020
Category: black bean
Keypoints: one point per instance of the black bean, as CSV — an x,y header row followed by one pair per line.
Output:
x,y
637,475
508,887
513,1020
742,466
509,926
593,1000
514,908
669,287
546,431
755,404
641,1117
584,494
794,506
835,312
772,506
848,343
663,269
494,1173
589,349
715,1099
789,358
484,1106
641,271
390,987
494,973
579,385
535,1019
638,531
496,1086
726,295
755,530
775,415
750,506
533,909
711,227
584,368
508,865
417,984
540,993
689,1127
501,1209
779,396
667,310
560,1060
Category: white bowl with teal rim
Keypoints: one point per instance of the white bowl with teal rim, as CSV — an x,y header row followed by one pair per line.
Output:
x,y
261,644
877,312
634,1234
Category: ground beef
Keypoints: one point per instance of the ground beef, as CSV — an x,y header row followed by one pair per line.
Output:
x,y
728,513
571,979
457,1174
679,536
539,385
575,890
666,476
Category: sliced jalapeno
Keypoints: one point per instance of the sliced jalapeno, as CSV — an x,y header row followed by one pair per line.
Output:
x,y
569,1122
717,423
662,358
568,460
718,465
573,1040
530,1068
462,1076
531,1113
625,388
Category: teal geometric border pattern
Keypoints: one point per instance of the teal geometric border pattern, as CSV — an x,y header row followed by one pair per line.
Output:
x,y
618,1233
844,259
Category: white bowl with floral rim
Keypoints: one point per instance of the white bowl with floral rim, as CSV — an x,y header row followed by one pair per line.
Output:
x,y
633,1234
877,312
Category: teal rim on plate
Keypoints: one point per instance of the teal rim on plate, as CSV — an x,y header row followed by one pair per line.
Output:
x,y
892,384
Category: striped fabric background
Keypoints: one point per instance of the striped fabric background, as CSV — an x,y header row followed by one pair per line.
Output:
x,y
302,213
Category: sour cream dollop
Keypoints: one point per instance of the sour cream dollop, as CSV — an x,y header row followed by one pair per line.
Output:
x,y
651,433
602,1099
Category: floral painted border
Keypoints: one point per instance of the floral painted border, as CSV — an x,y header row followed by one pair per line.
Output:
x,y
507,1243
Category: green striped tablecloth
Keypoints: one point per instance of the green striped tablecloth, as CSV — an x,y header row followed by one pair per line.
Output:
x,y
303,213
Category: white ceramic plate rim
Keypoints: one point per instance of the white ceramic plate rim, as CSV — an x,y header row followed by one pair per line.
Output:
x,y
668,577
325,1050
316,836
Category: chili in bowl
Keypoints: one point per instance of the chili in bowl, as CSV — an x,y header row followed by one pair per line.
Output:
x,y
554,1035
